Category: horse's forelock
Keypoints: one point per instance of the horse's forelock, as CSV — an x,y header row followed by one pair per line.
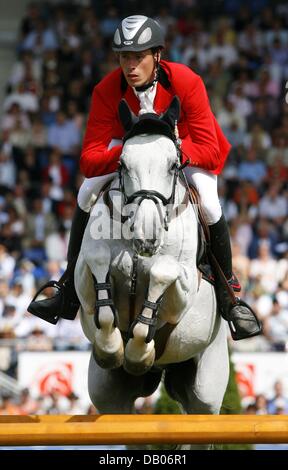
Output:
x,y
147,151
162,144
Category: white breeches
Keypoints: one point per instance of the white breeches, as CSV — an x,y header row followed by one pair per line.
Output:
x,y
90,189
206,184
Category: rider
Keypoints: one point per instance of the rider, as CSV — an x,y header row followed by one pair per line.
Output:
x,y
148,84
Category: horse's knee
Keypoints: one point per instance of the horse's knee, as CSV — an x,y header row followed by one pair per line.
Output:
x,y
165,270
102,257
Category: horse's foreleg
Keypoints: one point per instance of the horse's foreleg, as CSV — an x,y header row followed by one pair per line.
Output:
x,y
140,350
108,347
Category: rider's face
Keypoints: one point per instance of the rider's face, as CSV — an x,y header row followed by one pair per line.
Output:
x,y
138,67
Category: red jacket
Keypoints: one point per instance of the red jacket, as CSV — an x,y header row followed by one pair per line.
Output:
x,y
202,139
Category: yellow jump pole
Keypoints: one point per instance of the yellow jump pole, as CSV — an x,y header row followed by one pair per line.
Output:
x,y
142,429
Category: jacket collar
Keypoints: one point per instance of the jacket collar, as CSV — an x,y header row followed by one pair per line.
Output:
x,y
162,98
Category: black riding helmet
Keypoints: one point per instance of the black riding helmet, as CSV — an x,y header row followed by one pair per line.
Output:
x,y
137,33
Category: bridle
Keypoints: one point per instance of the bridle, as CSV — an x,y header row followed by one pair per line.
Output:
x,y
153,195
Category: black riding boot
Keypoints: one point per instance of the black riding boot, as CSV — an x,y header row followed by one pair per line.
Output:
x,y
64,303
242,320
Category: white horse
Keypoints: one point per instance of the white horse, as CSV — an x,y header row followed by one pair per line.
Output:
x,y
132,285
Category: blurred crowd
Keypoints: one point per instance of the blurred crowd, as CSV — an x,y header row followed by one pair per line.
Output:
x,y
54,403
240,49
277,404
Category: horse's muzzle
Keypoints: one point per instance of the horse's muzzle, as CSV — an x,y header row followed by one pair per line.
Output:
x,y
146,247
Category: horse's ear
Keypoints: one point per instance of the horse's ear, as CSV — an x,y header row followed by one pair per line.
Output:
x,y
127,117
172,114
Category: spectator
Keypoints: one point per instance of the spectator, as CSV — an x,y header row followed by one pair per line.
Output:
x,y
56,244
38,341
17,297
278,171
26,64
228,116
274,205
261,405
7,264
257,138
27,404
279,399
242,105
13,115
276,327
252,169
264,268
260,115
9,407
263,231
7,172
69,336
39,39
27,100
64,134
241,265
39,225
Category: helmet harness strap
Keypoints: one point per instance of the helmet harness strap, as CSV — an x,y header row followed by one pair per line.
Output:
x,y
156,78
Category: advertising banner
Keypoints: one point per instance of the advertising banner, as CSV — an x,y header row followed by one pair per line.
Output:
x,y
256,373
47,372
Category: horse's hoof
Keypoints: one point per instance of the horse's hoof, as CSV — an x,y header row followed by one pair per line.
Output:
x,y
141,367
108,360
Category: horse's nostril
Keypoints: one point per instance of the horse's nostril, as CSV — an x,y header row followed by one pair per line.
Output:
x,y
145,247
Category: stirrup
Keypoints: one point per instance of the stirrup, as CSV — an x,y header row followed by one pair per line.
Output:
x,y
242,312
49,318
